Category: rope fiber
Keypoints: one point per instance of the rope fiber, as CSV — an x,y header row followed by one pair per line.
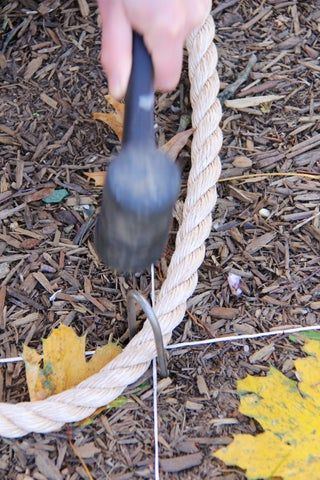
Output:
x,y
100,389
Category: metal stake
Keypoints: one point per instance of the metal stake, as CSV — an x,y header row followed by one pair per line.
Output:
x,y
136,297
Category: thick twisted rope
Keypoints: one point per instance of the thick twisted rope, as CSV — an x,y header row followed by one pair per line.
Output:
x,y
81,401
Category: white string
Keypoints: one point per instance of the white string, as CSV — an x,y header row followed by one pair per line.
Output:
x,y
231,338
208,341
155,393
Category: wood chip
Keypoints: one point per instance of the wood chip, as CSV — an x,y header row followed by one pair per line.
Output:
x,y
226,313
260,242
177,464
193,405
202,386
3,291
88,450
262,354
84,8
223,421
46,466
242,162
29,243
48,100
95,302
263,13
32,317
8,212
10,240
4,269
241,103
43,281
33,67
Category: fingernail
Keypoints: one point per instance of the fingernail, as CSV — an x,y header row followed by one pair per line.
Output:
x,y
117,88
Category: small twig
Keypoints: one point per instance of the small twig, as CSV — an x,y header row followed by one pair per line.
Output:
x,y
77,453
230,90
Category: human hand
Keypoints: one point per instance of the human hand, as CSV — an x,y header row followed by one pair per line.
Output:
x,y
164,25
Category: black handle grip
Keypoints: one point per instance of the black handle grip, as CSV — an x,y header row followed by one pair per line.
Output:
x,y
139,101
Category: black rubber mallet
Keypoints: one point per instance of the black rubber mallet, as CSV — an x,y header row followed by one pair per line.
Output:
x,y
142,183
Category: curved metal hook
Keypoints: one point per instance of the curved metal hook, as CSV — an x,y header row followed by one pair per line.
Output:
x,y
134,296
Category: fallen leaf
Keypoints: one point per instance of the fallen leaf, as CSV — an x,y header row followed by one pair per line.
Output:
x,y
97,177
113,119
117,106
289,413
174,146
312,335
64,362
247,102
56,196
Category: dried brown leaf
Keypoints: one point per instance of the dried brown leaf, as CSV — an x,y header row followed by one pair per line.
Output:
x,y
174,146
97,177
113,119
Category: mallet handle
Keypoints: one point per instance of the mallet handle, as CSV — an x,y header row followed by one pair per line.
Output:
x,y
139,101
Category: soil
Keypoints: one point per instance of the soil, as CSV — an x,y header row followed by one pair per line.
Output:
x,y
266,230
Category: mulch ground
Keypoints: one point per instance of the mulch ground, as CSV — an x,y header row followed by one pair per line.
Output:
x,y
266,230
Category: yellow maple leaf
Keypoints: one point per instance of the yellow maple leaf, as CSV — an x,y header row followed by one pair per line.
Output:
x,y
113,119
289,413
64,362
